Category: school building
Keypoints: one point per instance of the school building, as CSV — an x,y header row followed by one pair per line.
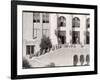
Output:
x,y
61,28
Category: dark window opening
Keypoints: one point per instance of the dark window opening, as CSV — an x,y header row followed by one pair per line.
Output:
x,y
34,21
87,38
88,23
45,17
62,37
32,49
76,22
43,21
75,37
38,20
61,24
61,21
36,17
29,49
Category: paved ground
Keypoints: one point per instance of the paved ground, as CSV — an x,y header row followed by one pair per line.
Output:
x,y
60,57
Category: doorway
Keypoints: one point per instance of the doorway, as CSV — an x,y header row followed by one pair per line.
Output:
x,y
75,37
62,37
87,37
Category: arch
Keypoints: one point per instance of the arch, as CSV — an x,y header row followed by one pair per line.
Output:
x,y
81,59
87,59
61,21
75,60
76,22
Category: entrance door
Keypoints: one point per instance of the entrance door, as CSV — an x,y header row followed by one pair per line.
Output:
x,y
75,37
87,37
62,37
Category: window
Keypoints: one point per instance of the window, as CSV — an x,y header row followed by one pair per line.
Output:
x,y
36,17
75,60
82,59
75,37
45,17
32,49
29,49
87,37
62,37
61,21
87,59
76,22
88,23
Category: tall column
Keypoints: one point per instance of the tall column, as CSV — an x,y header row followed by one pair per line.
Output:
x,y
53,27
82,28
68,28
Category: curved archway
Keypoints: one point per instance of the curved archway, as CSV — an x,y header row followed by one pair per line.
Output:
x,y
76,22
61,21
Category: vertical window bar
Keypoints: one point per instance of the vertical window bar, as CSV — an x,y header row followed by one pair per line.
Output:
x,y
27,50
32,49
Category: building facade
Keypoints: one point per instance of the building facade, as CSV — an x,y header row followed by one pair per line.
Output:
x,y
71,29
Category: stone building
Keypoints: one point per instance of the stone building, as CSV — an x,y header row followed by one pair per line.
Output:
x,y
61,28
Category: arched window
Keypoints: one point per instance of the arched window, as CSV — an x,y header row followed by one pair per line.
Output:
x,y
87,59
82,59
76,22
88,23
61,21
75,60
